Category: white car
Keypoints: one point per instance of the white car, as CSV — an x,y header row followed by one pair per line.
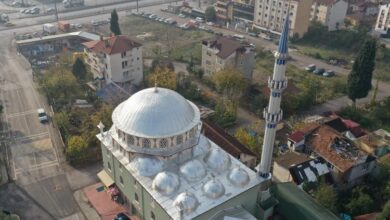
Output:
x,y
42,116
79,25
182,16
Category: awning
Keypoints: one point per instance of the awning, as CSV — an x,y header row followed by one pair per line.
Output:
x,y
105,178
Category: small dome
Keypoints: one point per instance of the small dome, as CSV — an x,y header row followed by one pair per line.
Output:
x,y
166,183
150,113
213,189
202,147
238,177
193,170
186,202
218,160
146,166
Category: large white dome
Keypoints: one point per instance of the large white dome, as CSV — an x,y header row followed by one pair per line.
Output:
x,y
156,113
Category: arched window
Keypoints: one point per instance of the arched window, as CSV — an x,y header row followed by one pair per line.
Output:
x,y
130,140
152,216
146,143
163,143
121,180
179,139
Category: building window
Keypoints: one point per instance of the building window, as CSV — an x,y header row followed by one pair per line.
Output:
x,y
136,197
120,167
109,166
137,58
123,54
124,64
126,74
130,140
152,216
104,55
146,143
179,139
121,180
163,143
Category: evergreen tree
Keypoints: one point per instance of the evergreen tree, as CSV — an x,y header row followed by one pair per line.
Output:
x,y
210,14
79,70
359,80
114,25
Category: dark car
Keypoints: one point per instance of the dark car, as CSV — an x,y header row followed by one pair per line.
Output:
x,y
319,71
121,216
329,73
253,34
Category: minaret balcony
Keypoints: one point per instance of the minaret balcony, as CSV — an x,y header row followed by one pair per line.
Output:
x,y
272,117
280,56
277,85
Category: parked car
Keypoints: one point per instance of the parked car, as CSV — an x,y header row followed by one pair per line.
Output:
x,y
78,25
182,16
36,34
253,34
310,68
94,23
42,116
329,73
50,10
121,216
199,19
152,16
319,71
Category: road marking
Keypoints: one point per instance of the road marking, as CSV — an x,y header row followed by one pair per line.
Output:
x,y
33,136
13,115
37,167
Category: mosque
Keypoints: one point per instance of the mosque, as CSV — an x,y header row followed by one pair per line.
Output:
x,y
165,168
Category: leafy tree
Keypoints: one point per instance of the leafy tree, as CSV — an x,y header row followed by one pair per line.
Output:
x,y
61,119
326,196
230,82
103,115
210,14
162,64
360,203
79,70
114,25
249,140
76,148
385,214
225,113
165,78
359,80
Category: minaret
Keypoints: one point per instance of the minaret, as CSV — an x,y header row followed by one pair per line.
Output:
x,y
273,114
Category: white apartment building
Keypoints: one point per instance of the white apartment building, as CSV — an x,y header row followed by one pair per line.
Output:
x,y
383,21
330,13
270,14
115,59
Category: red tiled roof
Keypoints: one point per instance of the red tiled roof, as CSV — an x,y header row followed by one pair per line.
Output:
x,y
112,45
297,136
320,142
229,143
370,216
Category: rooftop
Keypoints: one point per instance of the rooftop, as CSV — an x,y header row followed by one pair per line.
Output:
x,y
325,2
291,159
112,45
81,34
297,136
225,45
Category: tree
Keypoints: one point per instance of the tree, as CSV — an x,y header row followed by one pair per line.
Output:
x,y
360,203
385,214
61,119
210,14
359,80
230,82
114,25
248,139
165,78
162,64
76,148
326,196
79,70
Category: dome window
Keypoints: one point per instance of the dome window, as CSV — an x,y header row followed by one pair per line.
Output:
x,y
179,139
146,143
163,143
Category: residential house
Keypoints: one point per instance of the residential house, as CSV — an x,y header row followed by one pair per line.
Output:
x,y
376,143
332,142
365,8
229,143
224,11
330,13
115,59
298,168
270,15
383,21
221,52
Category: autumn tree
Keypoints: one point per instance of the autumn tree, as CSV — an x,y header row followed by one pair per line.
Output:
x,y
76,148
114,24
249,139
359,80
230,82
79,70
326,196
162,64
165,78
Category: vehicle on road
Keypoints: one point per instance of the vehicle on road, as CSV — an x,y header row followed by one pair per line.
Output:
x,y
319,71
310,68
35,10
239,37
78,25
49,28
199,19
64,26
329,73
36,34
121,216
152,16
50,10
72,3
42,116
253,34
182,16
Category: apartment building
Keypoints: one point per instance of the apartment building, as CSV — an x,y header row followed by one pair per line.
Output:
x,y
270,15
330,13
383,21
115,59
221,52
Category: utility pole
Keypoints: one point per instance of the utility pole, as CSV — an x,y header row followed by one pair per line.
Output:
x,y
137,5
56,10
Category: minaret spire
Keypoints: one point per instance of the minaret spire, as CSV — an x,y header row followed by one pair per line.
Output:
x,y
273,114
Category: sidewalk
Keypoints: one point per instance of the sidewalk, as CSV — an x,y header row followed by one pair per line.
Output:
x,y
85,207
